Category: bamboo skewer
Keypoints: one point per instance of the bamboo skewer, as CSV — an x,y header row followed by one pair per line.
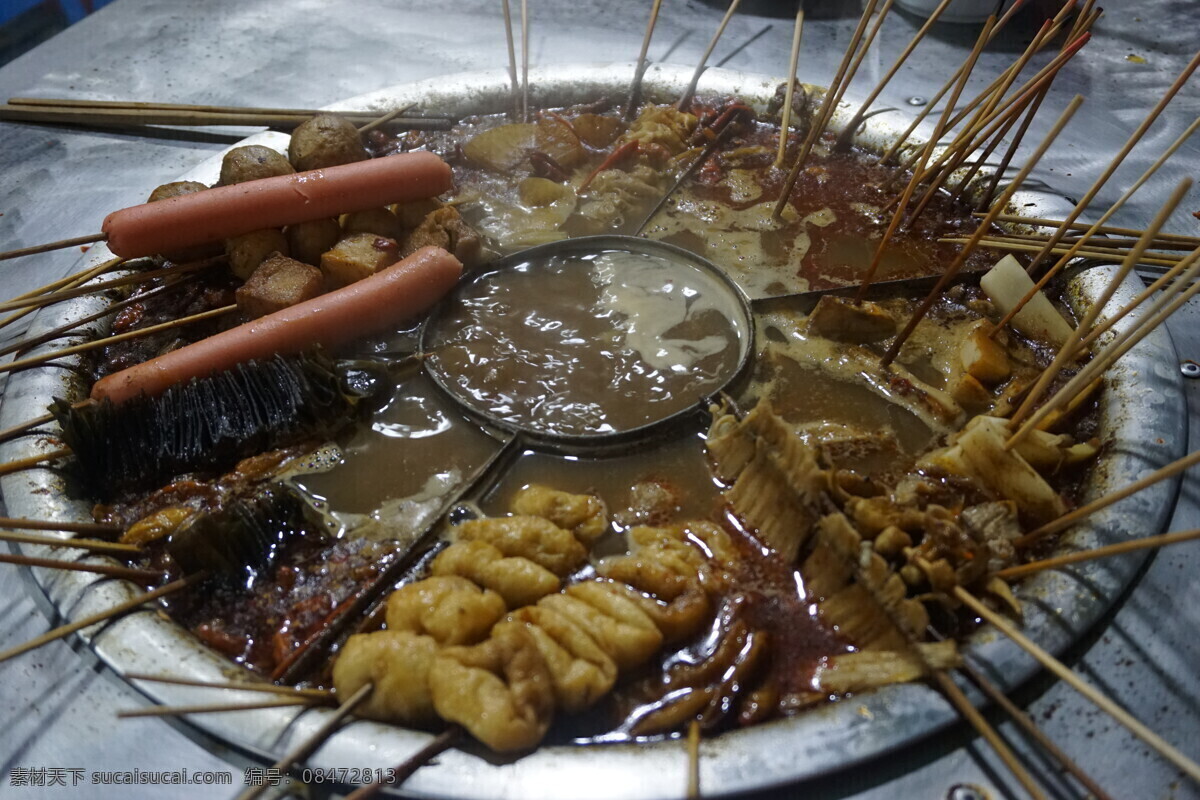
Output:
x,y
70,282
1141,297
986,223
514,95
1094,228
1026,724
1155,316
686,99
1190,241
124,118
818,122
1070,518
33,361
24,427
525,60
785,119
135,278
693,760
309,746
1063,673
19,464
91,545
1070,349
109,570
45,248
902,206
50,335
385,119
214,708
858,59
51,525
683,178
1134,138
269,688
635,86
848,132
117,105
404,770
92,619
1108,255
1131,546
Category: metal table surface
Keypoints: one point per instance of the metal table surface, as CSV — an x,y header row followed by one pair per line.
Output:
x,y
57,705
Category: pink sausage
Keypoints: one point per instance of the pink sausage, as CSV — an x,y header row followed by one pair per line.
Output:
x,y
224,211
402,290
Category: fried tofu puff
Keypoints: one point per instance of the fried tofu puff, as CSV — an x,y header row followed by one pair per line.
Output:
x,y
397,663
535,538
451,609
518,580
583,514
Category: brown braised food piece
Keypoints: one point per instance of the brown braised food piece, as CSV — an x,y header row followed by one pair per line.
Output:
x,y
445,228
379,221
251,162
358,256
247,251
326,140
309,240
843,320
278,282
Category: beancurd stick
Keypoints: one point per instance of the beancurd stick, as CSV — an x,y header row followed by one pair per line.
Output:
x,y
1070,349
818,123
686,99
310,745
33,361
785,119
1095,228
1062,672
1143,543
986,223
926,152
1155,316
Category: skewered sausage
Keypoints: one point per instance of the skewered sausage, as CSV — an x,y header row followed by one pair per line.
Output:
x,y
404,289
226,211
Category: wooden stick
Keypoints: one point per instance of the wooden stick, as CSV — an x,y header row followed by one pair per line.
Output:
x,y
1133,545
24,427
269,688
858,59
33,361
986,223
686,99
785,120
364,116
385,119
818,122
106,118
91,545
34,461
705,154
34,341
51,525
1193,241
929,106
92,619
70,282
1070,518
693,757
512,61
1108,255
310,745
1093,229
111,570
1070,349
59,245
525,60
135,278
902,206
635,86
213,708
848,132
405,769
1026,724
1078,684
1155,316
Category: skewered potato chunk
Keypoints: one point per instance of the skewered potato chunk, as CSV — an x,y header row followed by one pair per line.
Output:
x,y
326,140
252,162
278,282
358,256
247,251
444,228
379,221
308,241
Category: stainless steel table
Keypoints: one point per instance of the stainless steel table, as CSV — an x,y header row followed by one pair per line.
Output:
x,y
57,704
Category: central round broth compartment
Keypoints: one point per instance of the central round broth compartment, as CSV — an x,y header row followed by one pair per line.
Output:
x,y
596,338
